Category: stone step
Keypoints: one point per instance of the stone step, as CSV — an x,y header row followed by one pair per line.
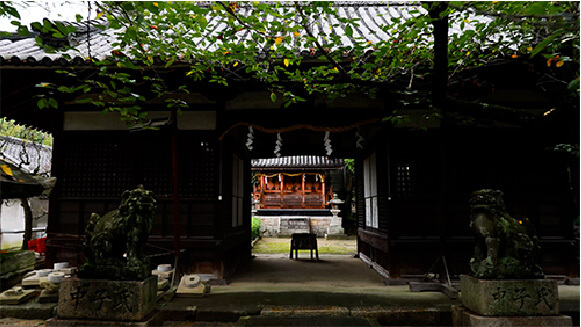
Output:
x,y
305,320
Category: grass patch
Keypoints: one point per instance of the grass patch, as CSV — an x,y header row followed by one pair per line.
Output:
x,y
277,246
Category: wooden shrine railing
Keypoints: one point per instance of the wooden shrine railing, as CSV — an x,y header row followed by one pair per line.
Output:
x,y
285,193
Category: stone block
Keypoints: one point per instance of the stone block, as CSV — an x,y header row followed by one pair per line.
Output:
x,y
48,297
475,320
103,299
197,289
69,270
163,274
510,297
34,281
7,298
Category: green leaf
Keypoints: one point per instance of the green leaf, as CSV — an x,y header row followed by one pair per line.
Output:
x,y
273,97
52,103
23,30
348,31
574,84
543,44
84,100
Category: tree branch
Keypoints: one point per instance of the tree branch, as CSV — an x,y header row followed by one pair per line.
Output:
x,y
304,21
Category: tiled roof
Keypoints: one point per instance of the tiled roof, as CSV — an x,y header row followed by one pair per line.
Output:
x,y
298,162
373,16
27,52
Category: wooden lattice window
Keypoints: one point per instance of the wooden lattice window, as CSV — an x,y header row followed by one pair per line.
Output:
x,y
107,169
197,172
404,180
96,170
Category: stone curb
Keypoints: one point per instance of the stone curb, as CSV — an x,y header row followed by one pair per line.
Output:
x,y
225,314
404,316
33,310
304,310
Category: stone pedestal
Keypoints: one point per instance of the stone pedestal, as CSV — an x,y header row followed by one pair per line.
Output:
x,y
508,302
101,299
510,297
335,226
463,317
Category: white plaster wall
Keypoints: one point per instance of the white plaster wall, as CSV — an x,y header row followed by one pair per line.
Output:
x,y
11,218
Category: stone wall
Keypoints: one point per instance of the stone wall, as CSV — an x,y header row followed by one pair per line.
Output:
x,y
274,226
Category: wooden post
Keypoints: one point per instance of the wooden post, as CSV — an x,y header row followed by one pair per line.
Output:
x,y
27,222
281,191
303,188
323,189
262,187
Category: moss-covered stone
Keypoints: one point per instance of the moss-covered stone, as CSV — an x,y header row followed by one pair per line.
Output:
x,y
114,243
505,247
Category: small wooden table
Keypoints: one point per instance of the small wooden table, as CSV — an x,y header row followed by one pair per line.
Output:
x,y
303,241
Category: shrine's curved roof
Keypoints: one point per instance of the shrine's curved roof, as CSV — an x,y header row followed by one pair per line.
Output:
x,y
91,42
298,162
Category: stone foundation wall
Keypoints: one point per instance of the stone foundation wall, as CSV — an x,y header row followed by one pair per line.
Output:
x,y
274,226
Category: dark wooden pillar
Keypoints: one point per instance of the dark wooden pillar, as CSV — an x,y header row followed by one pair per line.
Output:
x,y
439,99
175,195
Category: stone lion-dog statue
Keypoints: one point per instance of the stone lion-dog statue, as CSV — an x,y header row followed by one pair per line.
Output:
x,y
505,247
114,243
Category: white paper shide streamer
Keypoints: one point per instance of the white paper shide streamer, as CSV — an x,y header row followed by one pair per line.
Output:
x,y
359,141
328,148
250,139
278,145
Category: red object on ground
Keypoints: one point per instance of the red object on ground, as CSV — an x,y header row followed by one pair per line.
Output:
x,y
37,245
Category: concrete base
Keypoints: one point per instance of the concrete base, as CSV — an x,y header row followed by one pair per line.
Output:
x,y
463,317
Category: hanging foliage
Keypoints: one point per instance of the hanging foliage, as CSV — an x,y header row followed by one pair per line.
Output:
x,y
300,49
